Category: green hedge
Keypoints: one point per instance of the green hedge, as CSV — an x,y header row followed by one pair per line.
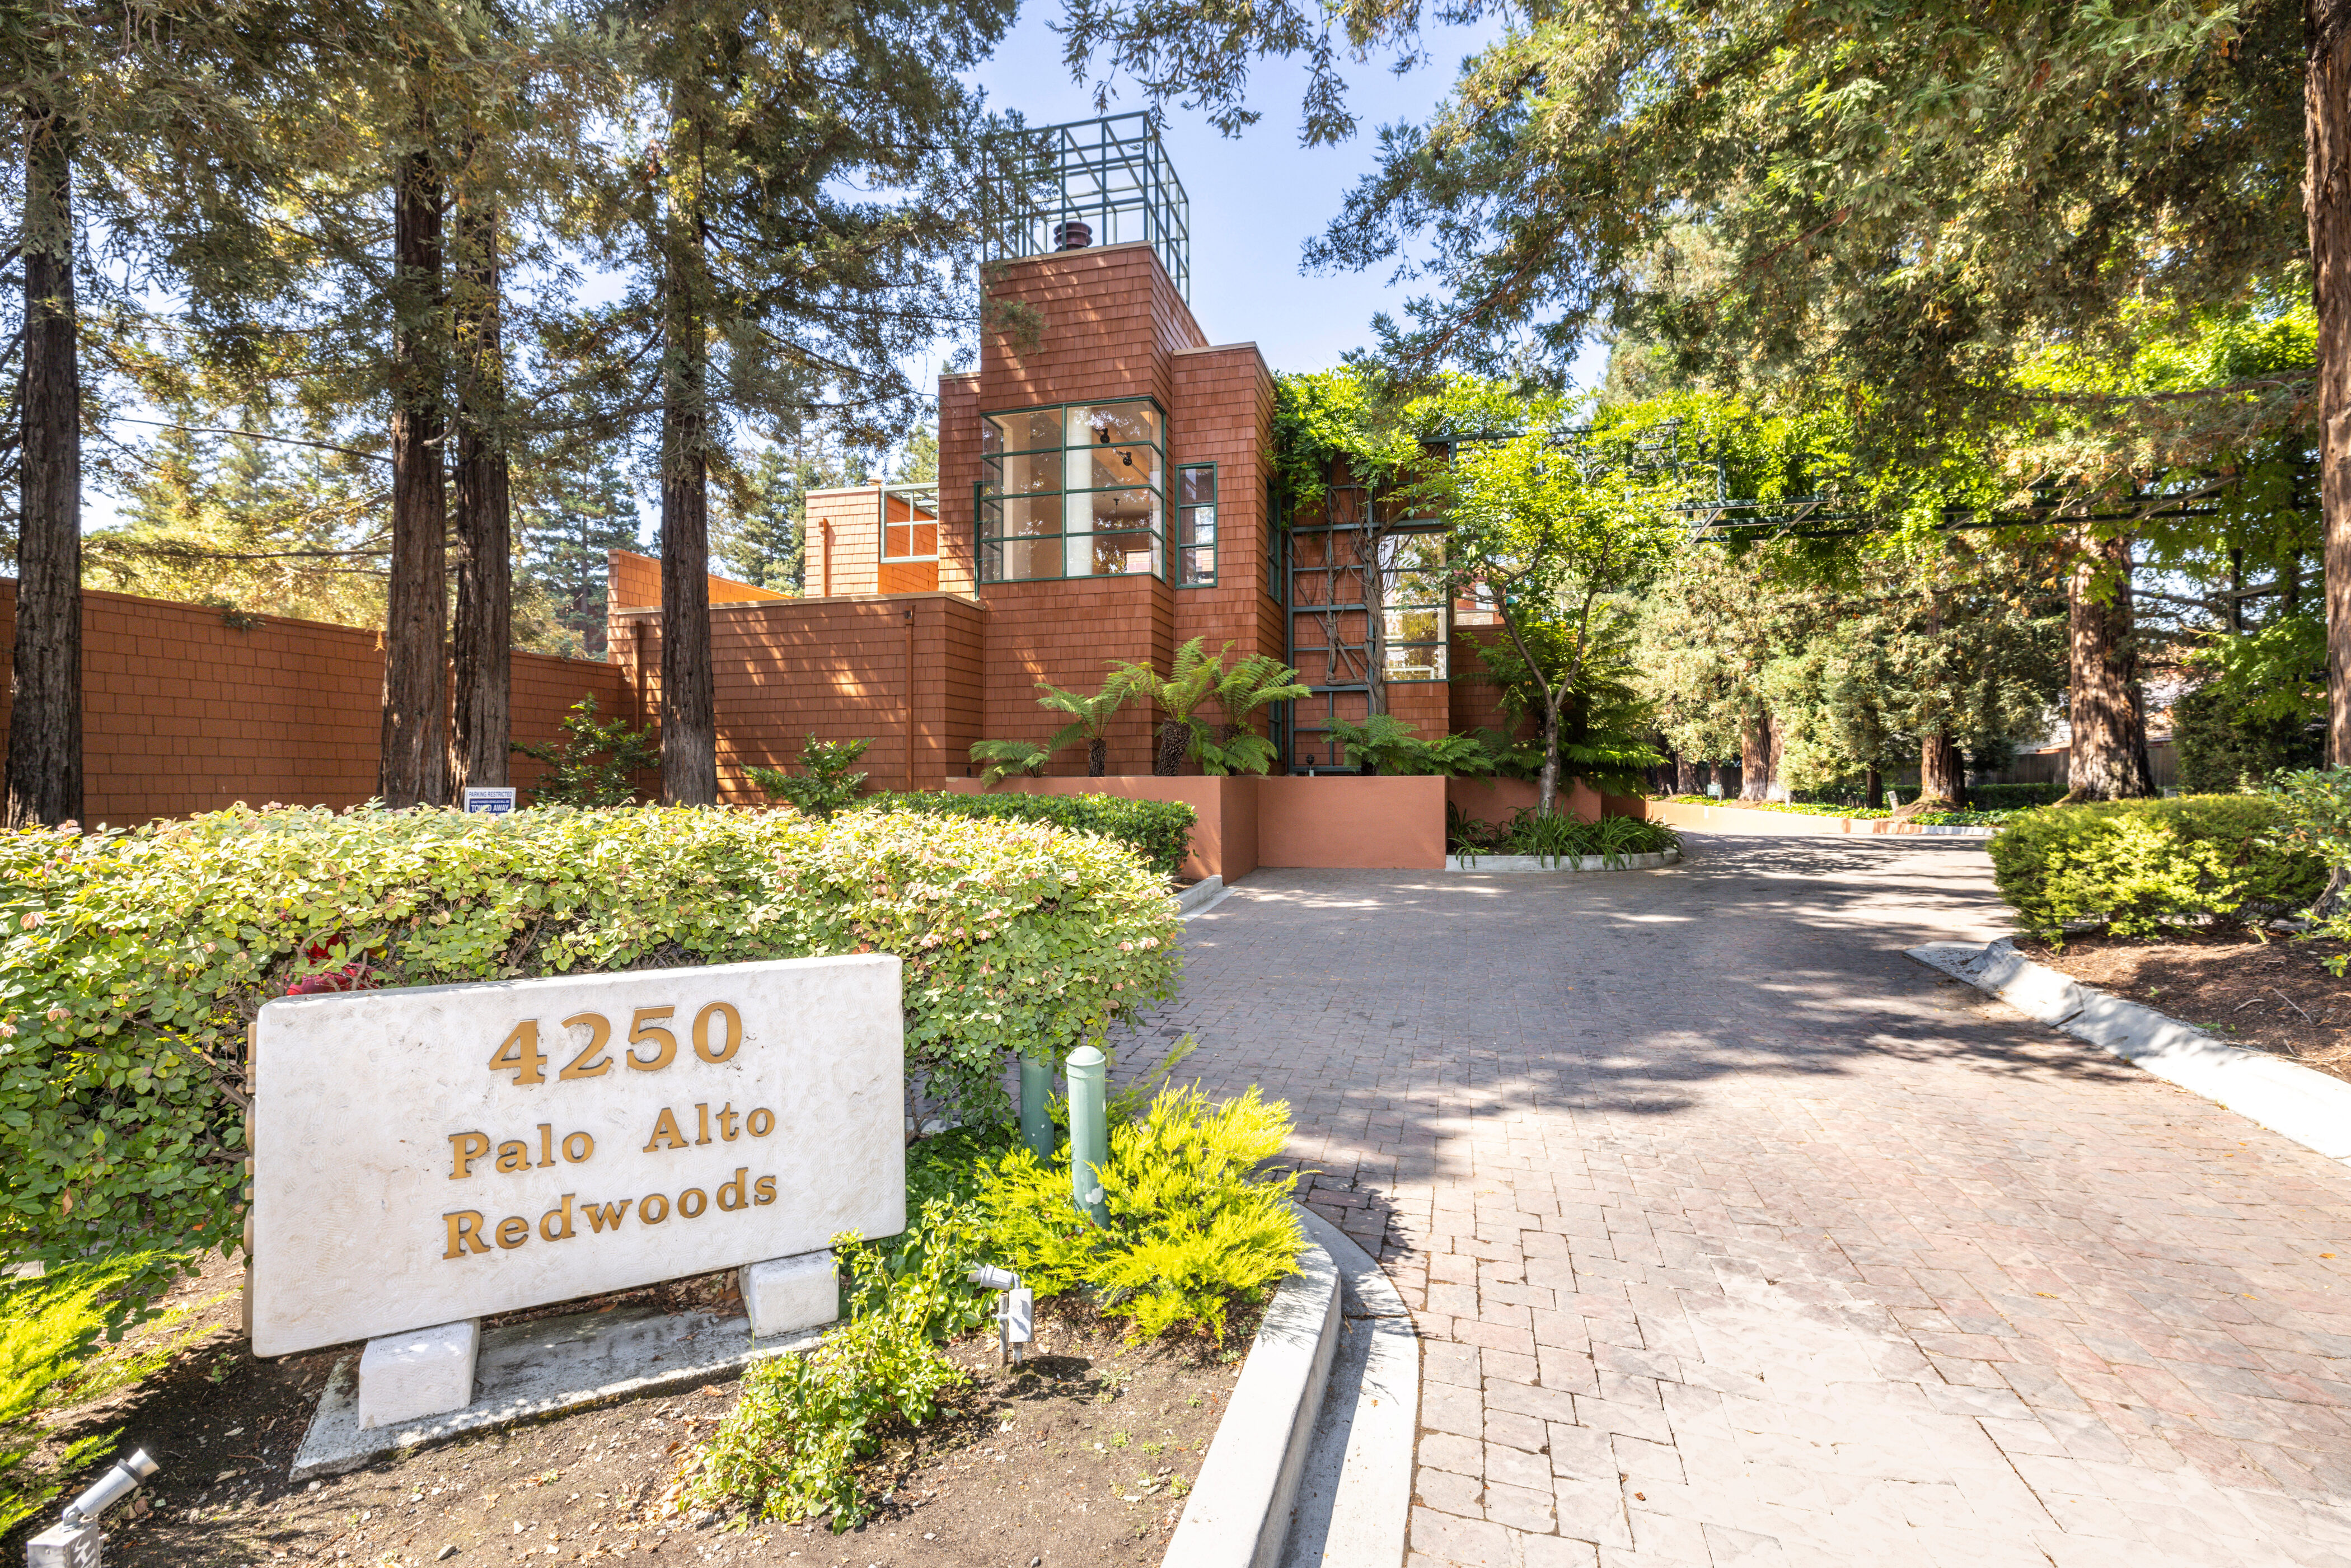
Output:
x,y
2146,866
1158,831
131,962
2013,797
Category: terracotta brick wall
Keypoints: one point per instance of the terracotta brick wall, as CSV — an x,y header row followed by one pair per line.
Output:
x,y
1109,319
959,469
184,712
1068,632
844,543
837,668
635,582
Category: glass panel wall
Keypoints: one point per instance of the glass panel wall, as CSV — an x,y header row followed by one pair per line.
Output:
x,y
1073,491
1195,525
1411,606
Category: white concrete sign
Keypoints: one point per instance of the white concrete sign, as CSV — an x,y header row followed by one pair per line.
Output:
x,y
436,1154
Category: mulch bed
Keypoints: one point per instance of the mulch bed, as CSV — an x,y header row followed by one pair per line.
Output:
x,y
1081,1456
2275,996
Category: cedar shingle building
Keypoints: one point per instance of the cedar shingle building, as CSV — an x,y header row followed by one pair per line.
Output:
x,y
1103,494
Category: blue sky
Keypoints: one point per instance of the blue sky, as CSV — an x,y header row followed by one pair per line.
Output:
x,y
1256,198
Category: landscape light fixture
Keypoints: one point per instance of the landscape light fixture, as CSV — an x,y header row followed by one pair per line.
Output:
x,y
1016,1311
74,1542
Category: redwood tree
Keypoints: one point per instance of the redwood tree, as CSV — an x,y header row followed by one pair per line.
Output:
x,y
44,779
414,766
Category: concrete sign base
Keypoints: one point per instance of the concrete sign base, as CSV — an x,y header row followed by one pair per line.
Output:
x,y
406,1376
526,1371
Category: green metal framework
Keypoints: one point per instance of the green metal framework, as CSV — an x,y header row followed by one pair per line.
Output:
x,y
1112,175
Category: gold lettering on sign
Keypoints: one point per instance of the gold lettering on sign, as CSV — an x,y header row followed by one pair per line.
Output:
x,y
731,1038
546,1144
557,1233
514,1155
692,1202
731,1196
652,1208
665,1133
702,1119
465,1231
759,1123
513,1231
766,1187
465,1148
641,1029
727,1120
577,1146
521,1055
605,1216
591,1061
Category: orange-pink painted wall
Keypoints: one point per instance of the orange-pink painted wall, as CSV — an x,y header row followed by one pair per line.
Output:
x,y
1246,822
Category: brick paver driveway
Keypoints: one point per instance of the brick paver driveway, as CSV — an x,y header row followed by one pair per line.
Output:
x,y
1738,1238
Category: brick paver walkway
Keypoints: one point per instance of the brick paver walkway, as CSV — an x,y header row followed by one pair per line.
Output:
x,y
1736,1238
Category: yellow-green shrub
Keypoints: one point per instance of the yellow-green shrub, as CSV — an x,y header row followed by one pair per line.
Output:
x,y
1190,1230
129,962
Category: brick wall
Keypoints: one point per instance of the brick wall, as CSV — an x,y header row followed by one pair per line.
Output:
x,y
900,670
1068,632
183,711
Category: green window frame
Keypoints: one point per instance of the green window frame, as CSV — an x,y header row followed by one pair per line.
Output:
x,y
1414,610
1075,489
1195,525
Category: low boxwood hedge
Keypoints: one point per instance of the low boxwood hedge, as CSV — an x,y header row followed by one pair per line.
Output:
x,y
1158,831
2146,866
131,962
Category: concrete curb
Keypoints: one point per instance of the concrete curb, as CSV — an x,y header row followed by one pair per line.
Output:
x,y
1201,897
2289,1099
1354,1497
1561,863
1238,1513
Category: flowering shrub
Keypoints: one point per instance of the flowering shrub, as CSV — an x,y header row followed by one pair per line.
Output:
x,y
131,962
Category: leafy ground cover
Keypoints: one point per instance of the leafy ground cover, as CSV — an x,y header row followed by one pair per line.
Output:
x,y
1999,817
1530,832
1082,1457
2276,996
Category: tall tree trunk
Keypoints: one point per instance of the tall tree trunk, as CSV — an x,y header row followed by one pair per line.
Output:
x,y
1873,788
2107,758
1097,756
485,629
1686,779
1942,771
43,779
689,727
415,767
1755,753
2327,194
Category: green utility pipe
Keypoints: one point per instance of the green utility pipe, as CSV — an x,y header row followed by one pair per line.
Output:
x,y
1088,1130
1035,1120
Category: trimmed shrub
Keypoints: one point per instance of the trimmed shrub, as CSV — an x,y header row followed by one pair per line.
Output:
x,y
1192,1226
2148,866
2013,797
1158,831
131,962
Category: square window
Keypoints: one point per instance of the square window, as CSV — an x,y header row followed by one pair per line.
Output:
x,y
1035,429
1111,424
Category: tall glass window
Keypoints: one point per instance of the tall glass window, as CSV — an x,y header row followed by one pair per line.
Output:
x,y
1195,525
1073,491
1411,606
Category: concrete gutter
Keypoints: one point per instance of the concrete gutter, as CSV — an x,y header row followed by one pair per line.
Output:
x,y
1238,1513
1354,1496
1561,863
2310,1107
